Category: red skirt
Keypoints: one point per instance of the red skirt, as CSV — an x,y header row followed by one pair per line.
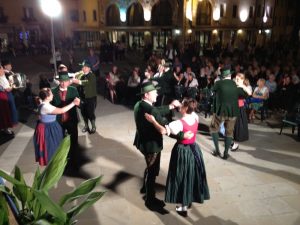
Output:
x,y
5,112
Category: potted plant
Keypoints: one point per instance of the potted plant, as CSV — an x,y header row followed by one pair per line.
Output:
x,y
33,203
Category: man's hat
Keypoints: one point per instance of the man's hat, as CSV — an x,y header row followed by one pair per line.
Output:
x,y
63,76
85,63
226,72
147,87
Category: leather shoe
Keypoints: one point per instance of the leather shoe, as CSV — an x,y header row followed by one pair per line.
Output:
x,y
85,129
93,130
143,190
181,212
225,156
215,153
155,202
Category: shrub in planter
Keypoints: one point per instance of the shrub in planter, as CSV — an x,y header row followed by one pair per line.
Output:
x,y
33,203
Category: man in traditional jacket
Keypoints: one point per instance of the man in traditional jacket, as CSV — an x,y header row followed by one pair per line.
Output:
x,y
63,95
225,109
88,95
148,140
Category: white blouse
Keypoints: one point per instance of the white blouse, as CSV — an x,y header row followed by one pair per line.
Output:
x,y
47,108
4,82
176,126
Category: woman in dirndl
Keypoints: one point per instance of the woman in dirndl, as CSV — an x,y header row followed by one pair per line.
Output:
x,y
241,132
48,132
186,181
5,111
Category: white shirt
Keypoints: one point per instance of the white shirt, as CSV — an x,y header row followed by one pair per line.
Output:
x,y
47,108
4,82
176,126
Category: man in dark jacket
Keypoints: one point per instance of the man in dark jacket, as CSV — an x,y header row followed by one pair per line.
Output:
x,y
63,95
148,140
225,109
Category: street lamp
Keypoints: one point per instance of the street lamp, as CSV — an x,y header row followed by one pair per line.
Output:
x,y
52,8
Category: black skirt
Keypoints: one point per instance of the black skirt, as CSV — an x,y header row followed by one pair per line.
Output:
x,y
241,132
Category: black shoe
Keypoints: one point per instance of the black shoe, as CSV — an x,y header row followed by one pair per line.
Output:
x,y
154,202
93,130
85,129
181,212
215,153
143,190
225,156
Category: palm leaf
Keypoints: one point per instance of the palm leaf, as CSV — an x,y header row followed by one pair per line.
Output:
x,y
51,207
83,189
56,166
90,200
20,191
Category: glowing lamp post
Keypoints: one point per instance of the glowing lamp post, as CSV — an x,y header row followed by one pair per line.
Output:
x,y
52,8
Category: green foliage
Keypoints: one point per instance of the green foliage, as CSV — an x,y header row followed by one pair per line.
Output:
x,y
33,202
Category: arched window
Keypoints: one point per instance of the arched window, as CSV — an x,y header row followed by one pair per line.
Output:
x,y
112,16
162,13
204,12
135,15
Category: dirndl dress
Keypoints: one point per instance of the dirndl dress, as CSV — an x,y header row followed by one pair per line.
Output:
x,y
47,137
241,131
186,181
5,113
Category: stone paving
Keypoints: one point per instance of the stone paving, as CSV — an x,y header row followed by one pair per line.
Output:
x,y
258,185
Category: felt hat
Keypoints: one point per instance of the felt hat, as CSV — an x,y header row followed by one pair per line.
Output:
x,y
63,76
226,72
147,87
85,63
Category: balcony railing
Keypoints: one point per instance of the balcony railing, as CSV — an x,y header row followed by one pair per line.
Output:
x,y
29,19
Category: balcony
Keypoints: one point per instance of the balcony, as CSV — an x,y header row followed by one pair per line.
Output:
x,y
29,19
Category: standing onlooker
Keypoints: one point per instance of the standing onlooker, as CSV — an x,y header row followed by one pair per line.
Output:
x,y
148,140
88,95
48,133
94,61
63,95
225,109
186,181
112,79
5,112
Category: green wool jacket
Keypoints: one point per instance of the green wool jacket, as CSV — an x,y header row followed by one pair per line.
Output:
x,y
148,139
226,98
71,94
89,84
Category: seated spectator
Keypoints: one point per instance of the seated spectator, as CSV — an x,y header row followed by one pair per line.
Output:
x,y
179,87
260,94
272,87
287,94
112,79
133,87
191,86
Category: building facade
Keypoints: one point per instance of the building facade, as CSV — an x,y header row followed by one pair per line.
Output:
x,y
151,22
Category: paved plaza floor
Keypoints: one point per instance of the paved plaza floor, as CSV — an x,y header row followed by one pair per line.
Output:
x,y
258,185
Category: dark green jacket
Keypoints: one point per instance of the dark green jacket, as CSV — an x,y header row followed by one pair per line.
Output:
x,y
226,98
147,138
71,94
89,85
166,82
